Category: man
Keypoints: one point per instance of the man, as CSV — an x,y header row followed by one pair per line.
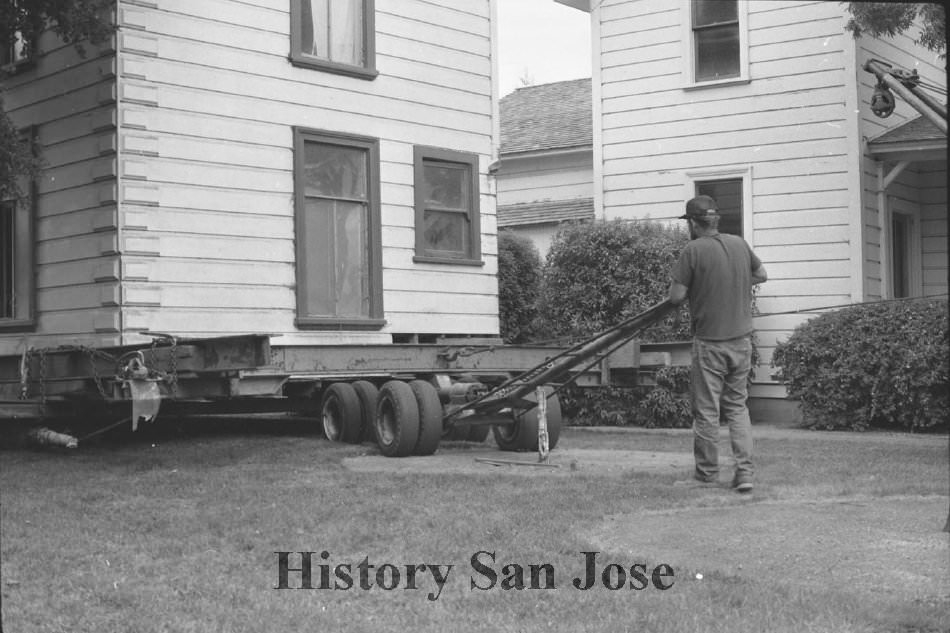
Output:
x,y
716,273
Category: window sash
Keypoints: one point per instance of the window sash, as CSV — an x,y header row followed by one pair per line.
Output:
x,y
16,264
334,36
338,231
446,201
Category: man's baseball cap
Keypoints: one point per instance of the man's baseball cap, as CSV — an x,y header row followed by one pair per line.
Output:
x,y
699,207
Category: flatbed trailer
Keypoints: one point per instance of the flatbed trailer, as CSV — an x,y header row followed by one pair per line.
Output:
x,y
406,397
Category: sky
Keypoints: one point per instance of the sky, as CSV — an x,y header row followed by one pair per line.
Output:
x,y
542,41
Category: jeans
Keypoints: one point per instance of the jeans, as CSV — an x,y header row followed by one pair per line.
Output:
x,y
719,384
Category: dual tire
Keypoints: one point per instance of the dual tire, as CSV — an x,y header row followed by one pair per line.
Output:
x,y
522,435
402,418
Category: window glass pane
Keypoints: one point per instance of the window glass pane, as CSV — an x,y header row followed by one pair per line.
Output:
x,y
336,258
333,30
446,186
717,53
728,197
7,260
346,31
714,11
446,231
334,171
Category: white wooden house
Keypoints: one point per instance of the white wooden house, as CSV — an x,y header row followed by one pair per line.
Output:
x,y
765,106
545,175
313,170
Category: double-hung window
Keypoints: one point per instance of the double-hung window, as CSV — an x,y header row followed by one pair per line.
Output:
x,y
338,233
446,202
717,41
334,35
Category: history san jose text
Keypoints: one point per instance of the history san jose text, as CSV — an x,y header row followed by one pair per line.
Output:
x,y
318,571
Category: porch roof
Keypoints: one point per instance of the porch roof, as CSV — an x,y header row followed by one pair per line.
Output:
x,y
917,139
545,212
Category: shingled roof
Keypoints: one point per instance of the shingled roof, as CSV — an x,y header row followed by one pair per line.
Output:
x,y
548,116
545,212
916,130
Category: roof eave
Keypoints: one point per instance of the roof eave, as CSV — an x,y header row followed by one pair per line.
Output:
x,y
935,149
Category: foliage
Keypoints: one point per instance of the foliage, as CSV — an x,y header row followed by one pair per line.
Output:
x,y
519,276
599,274
75,22
881,365
667,405
890,18
664,405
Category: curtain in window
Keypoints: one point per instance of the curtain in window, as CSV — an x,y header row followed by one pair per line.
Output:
x,y
333,30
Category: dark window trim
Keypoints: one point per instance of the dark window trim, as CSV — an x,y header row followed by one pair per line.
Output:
x,y
25,205
367,71
375,319
420,154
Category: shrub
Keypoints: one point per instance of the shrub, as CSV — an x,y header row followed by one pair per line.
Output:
x,y
519,274
880,365
599,274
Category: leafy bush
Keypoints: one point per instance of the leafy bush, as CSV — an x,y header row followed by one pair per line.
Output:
x,y
602,273
880,365
665,405
519,275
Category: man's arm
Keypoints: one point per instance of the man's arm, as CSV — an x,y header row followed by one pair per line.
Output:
x,y
677,293
759,275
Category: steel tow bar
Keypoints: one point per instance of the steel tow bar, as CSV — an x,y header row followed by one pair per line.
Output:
x,y
542,424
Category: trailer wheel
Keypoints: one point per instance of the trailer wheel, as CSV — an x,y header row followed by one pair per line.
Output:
x,y
340,413
397,419
368,394
430,417
523,434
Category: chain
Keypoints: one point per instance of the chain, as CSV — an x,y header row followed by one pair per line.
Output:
x,y
173,367
43,362
25,363
91,354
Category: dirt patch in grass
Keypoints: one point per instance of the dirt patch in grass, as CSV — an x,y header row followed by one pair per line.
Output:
x,y
561,461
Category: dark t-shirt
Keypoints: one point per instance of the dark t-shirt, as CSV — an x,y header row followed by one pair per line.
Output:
x,y
717,270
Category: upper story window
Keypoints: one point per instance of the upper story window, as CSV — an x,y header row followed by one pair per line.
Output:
x,y
335,36
447,211
15,55
717,42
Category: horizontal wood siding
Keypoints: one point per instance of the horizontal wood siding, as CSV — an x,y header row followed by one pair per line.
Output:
x,y
900,51
536,179
209,100
70,101
788,124
933,227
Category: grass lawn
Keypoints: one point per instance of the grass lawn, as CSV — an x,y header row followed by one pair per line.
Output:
x,y
178,532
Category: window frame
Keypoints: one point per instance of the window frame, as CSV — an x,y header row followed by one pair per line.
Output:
x,y
23,208
370,145
689,45
14,65
421,155
693,178
911,252
298,58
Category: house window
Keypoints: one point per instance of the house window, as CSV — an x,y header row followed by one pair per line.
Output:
x,y
16,264
15,55
334,35
717,41
446,201
728,197
339,269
